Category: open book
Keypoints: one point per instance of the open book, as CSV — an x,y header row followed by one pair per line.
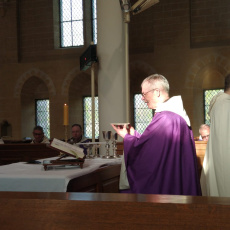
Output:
x,y
67,148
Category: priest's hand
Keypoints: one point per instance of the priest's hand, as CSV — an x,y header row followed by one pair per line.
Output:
x,y
122,130
131,130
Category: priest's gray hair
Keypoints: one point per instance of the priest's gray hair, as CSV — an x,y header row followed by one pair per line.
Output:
x,y
157,80
203,127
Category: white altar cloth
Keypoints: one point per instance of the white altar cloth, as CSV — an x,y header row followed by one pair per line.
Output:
x,y
23,177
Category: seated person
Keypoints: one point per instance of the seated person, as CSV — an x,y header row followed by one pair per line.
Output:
x,y
77,137
39,136
204,131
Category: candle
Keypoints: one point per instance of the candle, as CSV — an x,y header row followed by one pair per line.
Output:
x,y
66,115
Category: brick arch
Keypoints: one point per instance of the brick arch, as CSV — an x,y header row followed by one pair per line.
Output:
x,y
31,73
69,78
217,61
194,82
141,66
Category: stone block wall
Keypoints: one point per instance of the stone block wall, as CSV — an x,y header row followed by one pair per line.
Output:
x,y
183,40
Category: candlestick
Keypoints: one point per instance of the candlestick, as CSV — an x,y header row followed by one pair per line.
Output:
x,y
66,115
66,133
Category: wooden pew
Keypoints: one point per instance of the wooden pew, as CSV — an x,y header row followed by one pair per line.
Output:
x,y
12,153
200,152
120,148
111,211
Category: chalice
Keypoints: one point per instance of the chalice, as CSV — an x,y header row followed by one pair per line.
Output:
x,y
89,151
107,137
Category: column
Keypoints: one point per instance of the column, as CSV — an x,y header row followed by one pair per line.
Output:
x,y
112,69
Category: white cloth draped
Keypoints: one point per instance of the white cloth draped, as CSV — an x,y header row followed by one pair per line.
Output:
x,y
33,178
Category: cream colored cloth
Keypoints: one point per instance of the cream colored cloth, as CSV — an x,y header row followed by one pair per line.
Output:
x,y
175,105
22,177
123,183
215,176
44,141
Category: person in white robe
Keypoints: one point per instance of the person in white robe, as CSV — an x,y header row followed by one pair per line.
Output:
x,y
215,176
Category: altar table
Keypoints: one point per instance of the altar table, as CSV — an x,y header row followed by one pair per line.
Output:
x,y
23,177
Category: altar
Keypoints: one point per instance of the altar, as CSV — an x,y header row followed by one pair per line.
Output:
x,y
24,177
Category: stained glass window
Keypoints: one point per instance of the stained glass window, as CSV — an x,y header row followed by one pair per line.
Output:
x,y
43,116
142,114
87,104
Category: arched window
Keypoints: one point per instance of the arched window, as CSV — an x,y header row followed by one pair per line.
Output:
x,y
42,109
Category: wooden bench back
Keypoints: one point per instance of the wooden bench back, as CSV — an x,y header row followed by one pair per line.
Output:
x,y
12,153
111,211
200,152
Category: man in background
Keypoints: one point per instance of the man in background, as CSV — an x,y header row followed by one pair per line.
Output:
x,y
39,137
215,174
78,137
204,131
163,159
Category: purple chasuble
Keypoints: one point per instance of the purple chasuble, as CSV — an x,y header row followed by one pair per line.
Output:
x,y
163,159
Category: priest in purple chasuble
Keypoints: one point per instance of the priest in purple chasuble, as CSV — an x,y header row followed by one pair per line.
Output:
x,y
163,159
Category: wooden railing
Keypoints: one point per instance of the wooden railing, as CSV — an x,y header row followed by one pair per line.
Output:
x,y
24,210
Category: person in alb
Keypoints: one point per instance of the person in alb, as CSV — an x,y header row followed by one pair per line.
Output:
x,y
78,137
39,137
215,174
163,159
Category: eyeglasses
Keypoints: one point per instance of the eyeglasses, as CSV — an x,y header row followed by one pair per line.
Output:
x,y
144,94
205,137
37,134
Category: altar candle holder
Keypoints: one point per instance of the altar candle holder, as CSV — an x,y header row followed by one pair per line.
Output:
x,y
114,145
107,137
66,120
97,155
89,151
66,133
94,151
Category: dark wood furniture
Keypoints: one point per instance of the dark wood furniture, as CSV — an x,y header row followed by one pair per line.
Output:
x,y
120,148
103,180
12,153
111,211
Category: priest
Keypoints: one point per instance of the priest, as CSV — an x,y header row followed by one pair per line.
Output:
x,y
215,174
163,159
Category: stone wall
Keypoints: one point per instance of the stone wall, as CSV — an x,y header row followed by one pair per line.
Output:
x,y
168,38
